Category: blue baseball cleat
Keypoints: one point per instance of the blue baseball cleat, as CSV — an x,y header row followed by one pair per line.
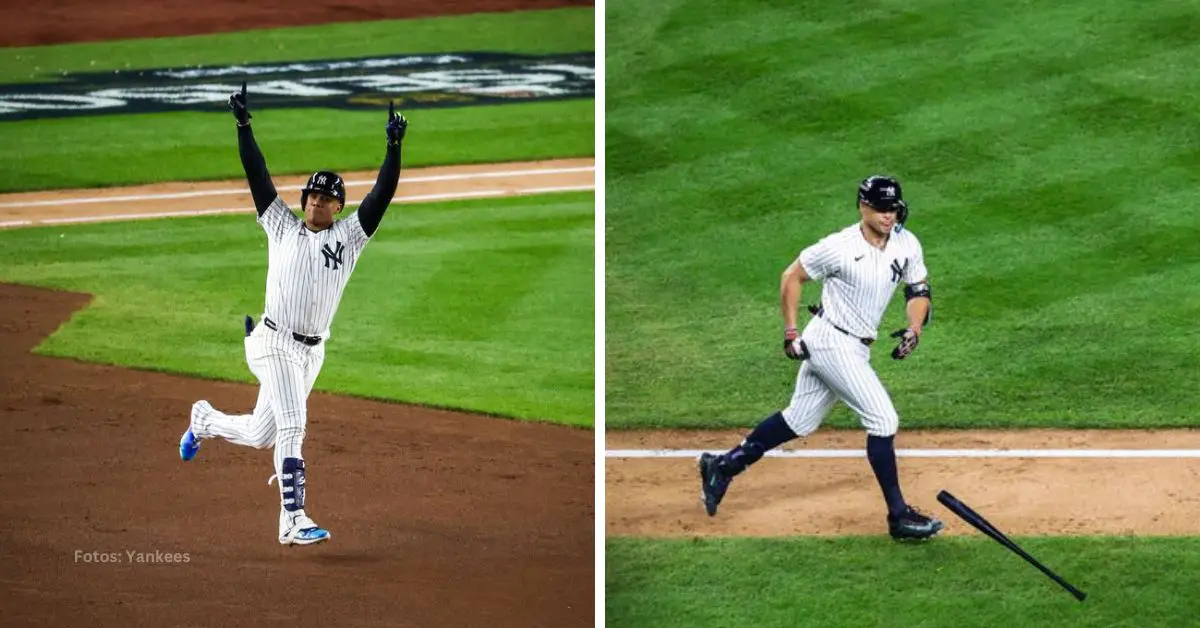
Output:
x,y
189,446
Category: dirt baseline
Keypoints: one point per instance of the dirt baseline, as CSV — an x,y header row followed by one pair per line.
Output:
x,y
835,496
438,518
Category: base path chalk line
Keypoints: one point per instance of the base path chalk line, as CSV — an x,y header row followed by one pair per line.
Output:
x,y
466,176
923,453
422,198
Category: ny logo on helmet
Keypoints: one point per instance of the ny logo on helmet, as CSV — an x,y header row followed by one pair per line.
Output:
x,y
889,190
321,180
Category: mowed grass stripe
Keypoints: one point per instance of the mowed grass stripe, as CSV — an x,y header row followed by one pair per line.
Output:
x,y
1049,167
962,581
425,319
150,148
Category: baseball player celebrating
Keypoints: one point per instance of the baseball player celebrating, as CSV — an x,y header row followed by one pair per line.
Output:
x,y
309,263
860,266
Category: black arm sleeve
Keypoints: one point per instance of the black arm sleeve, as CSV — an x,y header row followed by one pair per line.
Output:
x,y
255,166
370,211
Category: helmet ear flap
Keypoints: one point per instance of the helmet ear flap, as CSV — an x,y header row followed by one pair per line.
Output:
x,y
901,213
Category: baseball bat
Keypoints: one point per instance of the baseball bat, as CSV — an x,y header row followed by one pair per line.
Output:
x,y
983,525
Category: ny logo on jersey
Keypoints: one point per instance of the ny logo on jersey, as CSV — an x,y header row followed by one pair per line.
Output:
x,y
333,257
898,269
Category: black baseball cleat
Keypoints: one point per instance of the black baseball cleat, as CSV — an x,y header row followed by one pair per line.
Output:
x,y
911,524
713,482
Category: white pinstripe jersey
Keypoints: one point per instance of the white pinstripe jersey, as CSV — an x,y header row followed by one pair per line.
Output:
x,y
307,271
859,279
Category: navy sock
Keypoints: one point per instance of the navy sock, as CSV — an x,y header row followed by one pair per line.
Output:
x,y
769,434
881,452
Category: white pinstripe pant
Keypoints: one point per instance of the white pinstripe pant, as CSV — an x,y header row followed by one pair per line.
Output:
x,y
286,371
839,368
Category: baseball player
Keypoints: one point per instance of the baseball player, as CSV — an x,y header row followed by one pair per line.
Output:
x,y
309,263
860,266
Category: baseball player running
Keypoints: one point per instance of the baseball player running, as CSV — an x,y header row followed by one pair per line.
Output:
x,y
309,263
860,266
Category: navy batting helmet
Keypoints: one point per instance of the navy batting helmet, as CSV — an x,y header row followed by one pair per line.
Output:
x,y
326,183
883,193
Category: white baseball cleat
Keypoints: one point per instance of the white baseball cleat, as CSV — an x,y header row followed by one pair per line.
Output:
x,y
297,528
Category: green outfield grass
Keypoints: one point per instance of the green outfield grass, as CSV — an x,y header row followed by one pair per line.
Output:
x,y
479,305
1050,153
125,149
129,149
857,582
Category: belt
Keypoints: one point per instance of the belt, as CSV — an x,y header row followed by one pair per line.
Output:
x,y
311,341
819,310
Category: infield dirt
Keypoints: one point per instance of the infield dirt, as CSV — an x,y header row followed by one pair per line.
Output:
x,y
438,518
836,496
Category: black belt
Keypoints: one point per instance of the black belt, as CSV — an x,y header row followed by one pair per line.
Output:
x,y
311,341
819,310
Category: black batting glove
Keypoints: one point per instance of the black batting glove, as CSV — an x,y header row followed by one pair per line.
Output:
x,y
793,346
397,125
237,102
908,343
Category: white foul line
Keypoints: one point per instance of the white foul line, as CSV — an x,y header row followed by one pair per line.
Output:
x,y
294,188
924,453
420,198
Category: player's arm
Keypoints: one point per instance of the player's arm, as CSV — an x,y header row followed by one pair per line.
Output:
x,y
790,285
261,187
919,305
789,298
370,211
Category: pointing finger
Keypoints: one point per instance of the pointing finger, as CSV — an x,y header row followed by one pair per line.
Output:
x,y
391,109
243,91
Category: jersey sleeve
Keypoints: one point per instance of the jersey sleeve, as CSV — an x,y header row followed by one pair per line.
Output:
x,y
915,271
357,236
277,219
821,260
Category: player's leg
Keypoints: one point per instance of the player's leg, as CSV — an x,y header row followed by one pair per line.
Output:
x,y
810,404
252,430
294,378
856,383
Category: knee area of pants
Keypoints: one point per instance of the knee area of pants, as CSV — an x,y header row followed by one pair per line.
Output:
x,y
883,433
290,434
804,431
800,430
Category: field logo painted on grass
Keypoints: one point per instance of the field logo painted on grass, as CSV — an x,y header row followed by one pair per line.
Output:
x,y
413,81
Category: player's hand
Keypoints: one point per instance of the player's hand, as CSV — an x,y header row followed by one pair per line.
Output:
x,y
237,102
908,343
396,126
793,346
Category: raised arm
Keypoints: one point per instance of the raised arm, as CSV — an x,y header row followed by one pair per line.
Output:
x,y
370,211
261,187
